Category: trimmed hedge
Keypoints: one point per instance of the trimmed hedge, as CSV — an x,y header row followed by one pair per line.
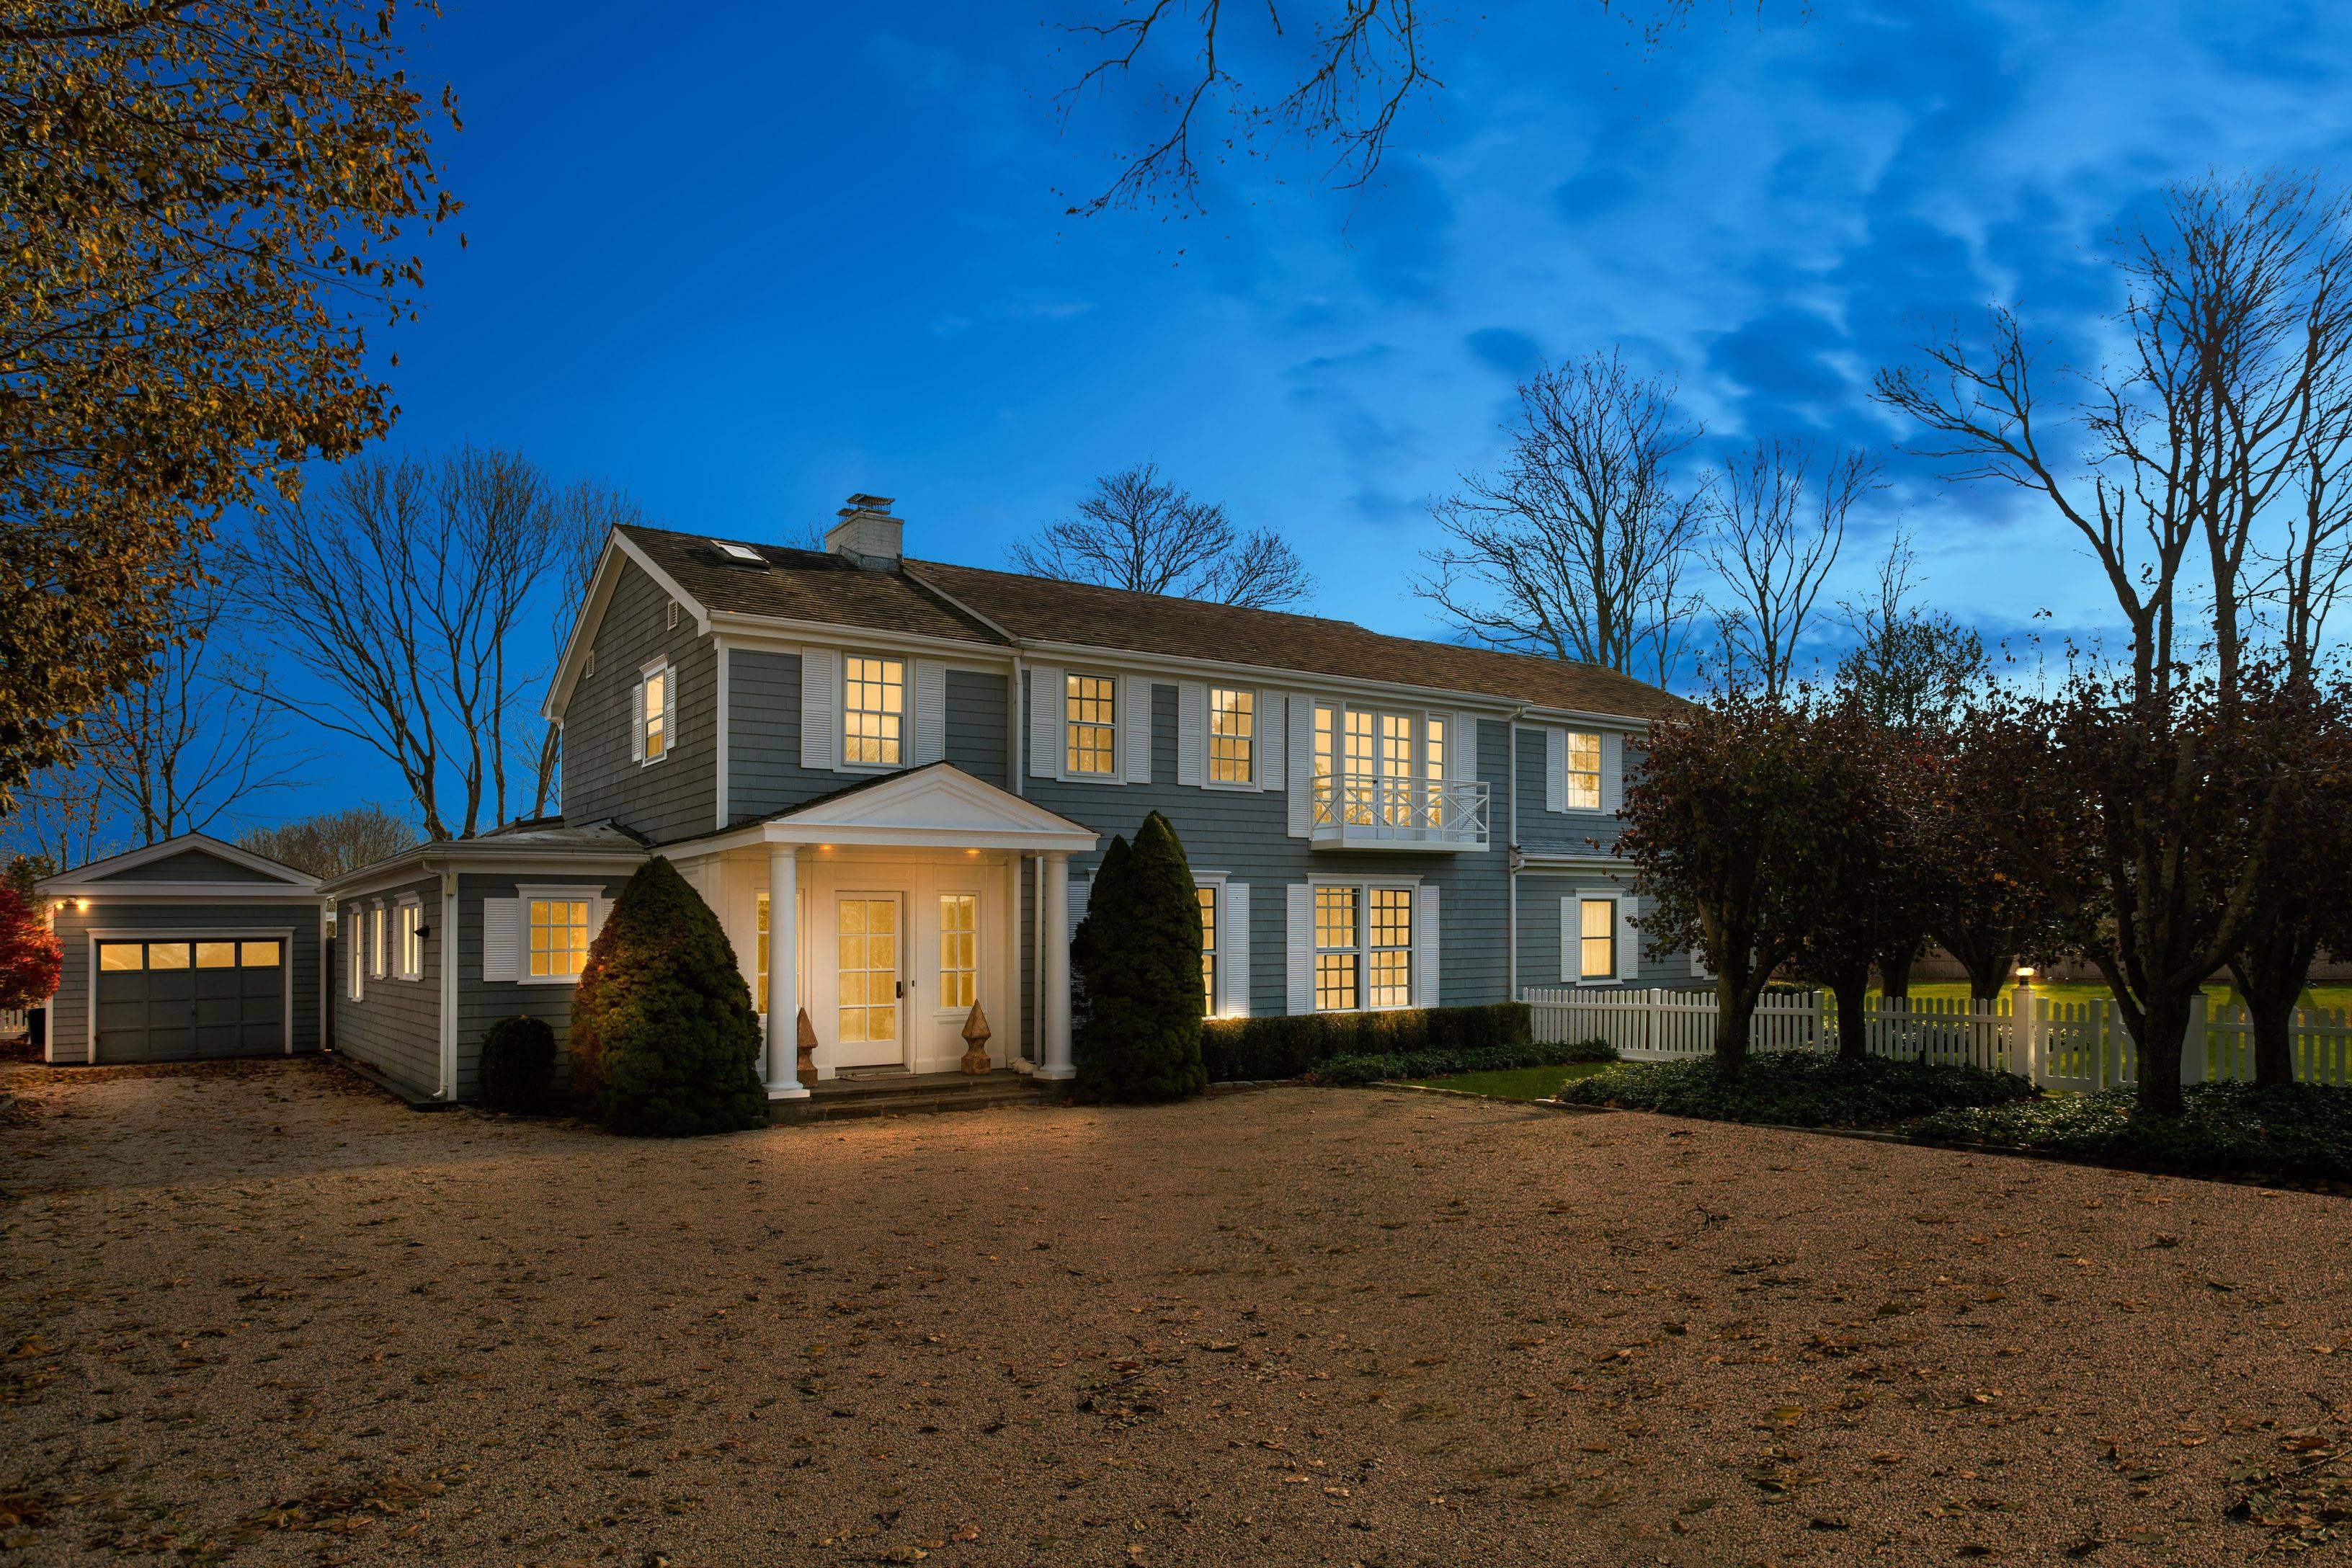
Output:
x,y
518,1058
2299,1130
1237,1049
1798,1088
1389,1065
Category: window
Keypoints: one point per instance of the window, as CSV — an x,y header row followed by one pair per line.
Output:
x,y
1597,939
1209,948
353,936
1233,734
741,555
653,714
1433,768
216,955
376,942
1335,950
120,956
873,711
558,932
1363,948
1091,722
959,948
167,956
759,985
1379,768
257,954
410,929
1584,772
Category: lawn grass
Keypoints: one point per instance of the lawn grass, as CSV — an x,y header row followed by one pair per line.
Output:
x,y
2096,991
1514,1083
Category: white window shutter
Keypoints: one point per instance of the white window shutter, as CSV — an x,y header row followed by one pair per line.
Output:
x,y
1555,770
1629,941
1079,888
820,709
1424,948
1135,716
1299,950
502,938
637,720
1272,728
1571,935
1302,764
931,710
1233,950
598,907
1192,733
1612,771
1462,760
1046,693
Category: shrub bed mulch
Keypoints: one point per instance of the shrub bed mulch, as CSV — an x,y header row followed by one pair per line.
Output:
x,y
2302,1133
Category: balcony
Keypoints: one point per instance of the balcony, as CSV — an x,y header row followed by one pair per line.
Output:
x,y
1367,811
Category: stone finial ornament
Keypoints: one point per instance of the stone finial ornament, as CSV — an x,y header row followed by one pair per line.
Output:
x,y
975,1037
806,1071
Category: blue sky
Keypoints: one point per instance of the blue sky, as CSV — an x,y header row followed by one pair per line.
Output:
x,y
746,266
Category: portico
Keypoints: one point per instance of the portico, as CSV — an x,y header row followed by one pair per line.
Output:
x,y
885,912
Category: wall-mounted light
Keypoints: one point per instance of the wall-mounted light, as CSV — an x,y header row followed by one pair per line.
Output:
x,y
81,906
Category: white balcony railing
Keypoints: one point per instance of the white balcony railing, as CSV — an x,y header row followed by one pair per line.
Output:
x,y
1368,811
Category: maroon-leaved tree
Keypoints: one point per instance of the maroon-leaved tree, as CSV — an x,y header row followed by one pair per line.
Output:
x,y
31,958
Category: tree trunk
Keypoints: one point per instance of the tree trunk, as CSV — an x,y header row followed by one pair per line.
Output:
x,y
1735,1014
2163,1028
1894,972
1987,975
2272,973
1852,993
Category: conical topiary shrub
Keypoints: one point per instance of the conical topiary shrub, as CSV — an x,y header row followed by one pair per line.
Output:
x,y
664,1041
1087,943
1142,976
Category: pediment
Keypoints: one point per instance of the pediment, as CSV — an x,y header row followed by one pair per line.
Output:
x,y
937,804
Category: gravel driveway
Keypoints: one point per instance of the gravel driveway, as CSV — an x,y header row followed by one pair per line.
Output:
x,y
258,1314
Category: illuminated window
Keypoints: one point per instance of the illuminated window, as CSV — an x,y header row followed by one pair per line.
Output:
x,y
959,948
1433,768
1209,948
257,954
1388,960
378,938
1233,734
653,714
120,956
216,955
874,712
1325,718
1090,723
1335,949
167,956
558,932
1597,939
1584,772
759,984
409,939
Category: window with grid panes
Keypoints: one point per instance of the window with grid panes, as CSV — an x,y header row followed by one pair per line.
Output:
x,y
873,711
1090,723
1336,943
1209,948
1233,734
1388,950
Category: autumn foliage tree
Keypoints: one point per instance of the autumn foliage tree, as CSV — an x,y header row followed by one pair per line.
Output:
x,y
204,205
1979,834
32,959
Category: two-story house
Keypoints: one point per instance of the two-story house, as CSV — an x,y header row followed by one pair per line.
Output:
x,y
891,778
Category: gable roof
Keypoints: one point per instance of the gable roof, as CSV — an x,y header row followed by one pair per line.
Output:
x,y
1005,610
180,863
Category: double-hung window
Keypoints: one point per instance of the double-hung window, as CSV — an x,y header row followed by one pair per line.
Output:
x,y
409,930
1583,770
1363,948
657,696
1596,939
1232,735
873,711
1090,725
1208,894
555,931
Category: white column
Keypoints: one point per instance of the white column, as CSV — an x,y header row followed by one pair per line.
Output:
x,y
783,973
1054,942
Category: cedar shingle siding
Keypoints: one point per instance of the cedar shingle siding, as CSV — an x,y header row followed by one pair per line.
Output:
x,y
678,794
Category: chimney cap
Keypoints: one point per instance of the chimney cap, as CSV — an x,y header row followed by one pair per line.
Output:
x,y
861,501
867,535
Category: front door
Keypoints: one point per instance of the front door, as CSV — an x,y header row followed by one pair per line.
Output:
x,y
870,1011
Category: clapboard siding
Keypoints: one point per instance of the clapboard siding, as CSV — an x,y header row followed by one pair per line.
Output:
x,y
1575,831
481,1002
69,1009
1540,954
764,737
976,733
395,1026
191,865
1246,836
665,800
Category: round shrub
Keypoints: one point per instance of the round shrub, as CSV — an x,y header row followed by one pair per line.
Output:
x,y
518,1058
1141,954
664,1040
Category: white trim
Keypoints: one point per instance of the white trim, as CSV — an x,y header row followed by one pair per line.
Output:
x,y
447,1087
1427,939
401,938
1233,949
1119,741
379,942
725,746
657,667
525,895
100,872
841,763
1572,936
1259,709
125,892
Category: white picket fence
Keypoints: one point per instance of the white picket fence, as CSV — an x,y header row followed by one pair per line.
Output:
x,y
2059,1044
12,1023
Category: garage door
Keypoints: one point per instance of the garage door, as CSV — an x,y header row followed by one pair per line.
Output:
x,y
164,1000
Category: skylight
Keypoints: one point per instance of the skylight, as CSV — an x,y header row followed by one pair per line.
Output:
x,y
741,555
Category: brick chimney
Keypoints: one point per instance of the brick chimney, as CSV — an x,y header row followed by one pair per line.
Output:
x,y
867,534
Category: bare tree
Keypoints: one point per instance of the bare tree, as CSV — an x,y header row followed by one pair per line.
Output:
x,y
1779,511
1575,549
61,817
1139,533
1909,668
1331,76
334,842
399,588
586,514
196,737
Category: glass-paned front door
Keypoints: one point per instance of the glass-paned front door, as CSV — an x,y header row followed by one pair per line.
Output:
x,y
869,1008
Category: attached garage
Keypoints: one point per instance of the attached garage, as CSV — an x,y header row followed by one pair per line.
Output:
x,y
186,951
